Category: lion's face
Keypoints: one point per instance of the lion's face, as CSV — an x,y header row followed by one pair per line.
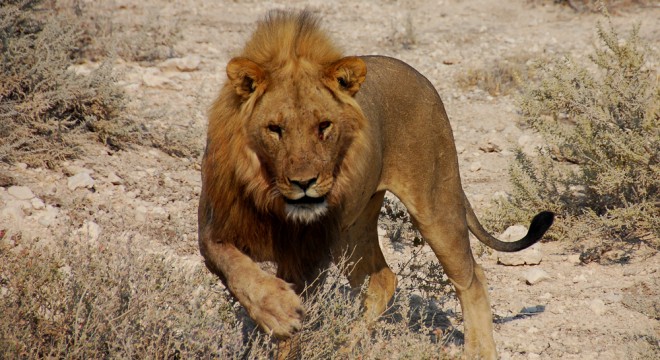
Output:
x,y
300,127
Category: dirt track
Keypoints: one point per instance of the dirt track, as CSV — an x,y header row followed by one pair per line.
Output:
x,y
580,312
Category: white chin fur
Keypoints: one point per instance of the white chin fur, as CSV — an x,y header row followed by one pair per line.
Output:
x,y
306,213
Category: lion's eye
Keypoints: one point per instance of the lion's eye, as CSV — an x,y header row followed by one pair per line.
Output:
x,y
323,126
275,128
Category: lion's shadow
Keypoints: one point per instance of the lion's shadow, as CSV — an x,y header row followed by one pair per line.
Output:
x,y
425,316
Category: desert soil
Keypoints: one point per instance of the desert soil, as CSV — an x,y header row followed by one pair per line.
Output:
x,y
579,311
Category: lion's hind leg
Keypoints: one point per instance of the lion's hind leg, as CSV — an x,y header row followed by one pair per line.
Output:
x,y
443,225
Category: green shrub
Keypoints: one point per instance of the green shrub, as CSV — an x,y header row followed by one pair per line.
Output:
x,y
600,168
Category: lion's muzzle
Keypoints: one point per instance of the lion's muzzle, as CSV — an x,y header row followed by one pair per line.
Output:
x,y
304,202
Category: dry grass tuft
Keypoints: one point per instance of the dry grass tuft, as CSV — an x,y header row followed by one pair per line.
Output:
x,y
598,5
503,77
600,170
48,111
74,297
44,105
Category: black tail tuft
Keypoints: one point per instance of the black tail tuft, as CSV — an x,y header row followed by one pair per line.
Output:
x,y
540,224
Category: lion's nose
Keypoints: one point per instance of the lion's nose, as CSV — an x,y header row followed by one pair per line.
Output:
x,y
303,184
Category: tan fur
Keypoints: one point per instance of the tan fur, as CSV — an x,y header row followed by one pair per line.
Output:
x,y
302,145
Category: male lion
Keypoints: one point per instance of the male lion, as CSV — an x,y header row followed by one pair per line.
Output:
x,y
302,145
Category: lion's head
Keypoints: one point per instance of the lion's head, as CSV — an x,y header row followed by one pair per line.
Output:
x,y
297,113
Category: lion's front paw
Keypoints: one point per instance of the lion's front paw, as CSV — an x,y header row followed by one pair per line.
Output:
x,y
276,308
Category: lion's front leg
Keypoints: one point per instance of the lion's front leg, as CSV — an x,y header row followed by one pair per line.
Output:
x,y
270,301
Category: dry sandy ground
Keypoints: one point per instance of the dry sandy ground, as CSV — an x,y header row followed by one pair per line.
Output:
x,y
579,312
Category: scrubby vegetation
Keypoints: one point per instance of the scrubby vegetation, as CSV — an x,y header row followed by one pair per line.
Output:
x,y
48,110
112,298
503,77
600,169
44,105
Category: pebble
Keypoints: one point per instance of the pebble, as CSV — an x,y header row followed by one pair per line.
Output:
x,y
90,231
597,306
48,216
529,256
490,147
185,64
80,180
159,212
20,192
382,232
114,179
13,212
545,296
37,204
500,195
141,214
532,309
475,166
535,275
579,278
574,259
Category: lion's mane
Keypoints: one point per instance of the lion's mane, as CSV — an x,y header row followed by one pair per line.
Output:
x,y
240,199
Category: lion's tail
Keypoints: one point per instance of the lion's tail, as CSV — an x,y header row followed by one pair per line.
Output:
x,y
538,227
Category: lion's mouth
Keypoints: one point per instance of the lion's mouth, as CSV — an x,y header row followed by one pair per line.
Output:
x,y
305,200
306,209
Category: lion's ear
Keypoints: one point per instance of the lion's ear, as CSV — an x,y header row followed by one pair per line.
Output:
x,y
246,76
346,74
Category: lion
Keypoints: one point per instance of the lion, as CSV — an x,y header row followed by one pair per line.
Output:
x,y
302,145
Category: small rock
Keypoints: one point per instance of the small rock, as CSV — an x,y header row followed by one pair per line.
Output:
x,y
528,310
188,63
114,179
90,231
535,275
579,278
629,271
159,212
597,306
513,233
613,298
65,271
37,204
20,192
48,217
80,180
382,232
545,296
156,81
490,147
529,256
141,214
574,259
13,212
500,196
475,166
